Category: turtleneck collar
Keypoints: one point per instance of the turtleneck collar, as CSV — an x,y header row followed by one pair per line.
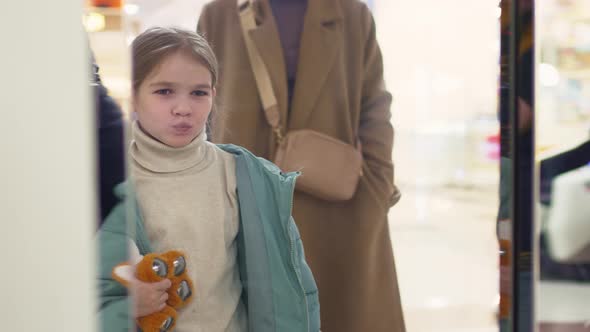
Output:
x,y
161,158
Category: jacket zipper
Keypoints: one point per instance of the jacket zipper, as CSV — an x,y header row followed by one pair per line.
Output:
x,y
293,259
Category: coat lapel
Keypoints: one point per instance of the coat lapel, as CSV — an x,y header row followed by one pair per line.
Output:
x,y
267,41
320,41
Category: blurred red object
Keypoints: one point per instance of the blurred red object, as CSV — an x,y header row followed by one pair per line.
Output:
x,y
493,147
493,138
107,3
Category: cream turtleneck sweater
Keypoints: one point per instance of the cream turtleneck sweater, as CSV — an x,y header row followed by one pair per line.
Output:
x,y
187,197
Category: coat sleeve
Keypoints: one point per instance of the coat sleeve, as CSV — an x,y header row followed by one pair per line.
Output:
x,y
375,130
203,25
114,302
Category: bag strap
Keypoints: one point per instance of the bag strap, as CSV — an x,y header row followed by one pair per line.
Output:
x,y
261,75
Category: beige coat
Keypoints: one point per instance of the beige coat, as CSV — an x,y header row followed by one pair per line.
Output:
x,y
339,91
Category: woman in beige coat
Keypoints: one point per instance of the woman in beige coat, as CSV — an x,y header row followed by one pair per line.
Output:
x,y
329,79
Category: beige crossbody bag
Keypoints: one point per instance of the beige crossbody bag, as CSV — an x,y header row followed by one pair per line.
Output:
x,y
330,168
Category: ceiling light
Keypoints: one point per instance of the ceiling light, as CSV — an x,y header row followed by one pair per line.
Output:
x,y
94,22
131,9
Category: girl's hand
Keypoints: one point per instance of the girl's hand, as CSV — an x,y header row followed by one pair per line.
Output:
x,y
149,297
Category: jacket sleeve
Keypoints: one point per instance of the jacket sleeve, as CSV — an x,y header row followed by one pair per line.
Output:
x,y
307,280
114,303
375,130
111,150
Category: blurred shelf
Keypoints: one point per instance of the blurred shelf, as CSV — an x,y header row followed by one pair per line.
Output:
x,y
580,74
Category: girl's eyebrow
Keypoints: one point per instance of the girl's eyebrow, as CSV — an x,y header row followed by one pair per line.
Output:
x,y
162,83
203,86
170,84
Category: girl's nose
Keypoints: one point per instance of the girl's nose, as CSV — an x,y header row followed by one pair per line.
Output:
x,y
182,109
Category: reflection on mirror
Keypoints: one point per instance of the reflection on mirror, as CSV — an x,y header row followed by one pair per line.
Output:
x,y
445,116
563,141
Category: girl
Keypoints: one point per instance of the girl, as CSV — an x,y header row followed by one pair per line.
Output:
x,y
227,210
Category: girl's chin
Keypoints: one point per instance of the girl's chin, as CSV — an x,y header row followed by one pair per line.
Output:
x,y
179,142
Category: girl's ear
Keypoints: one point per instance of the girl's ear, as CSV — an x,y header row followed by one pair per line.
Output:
x,y
134,107
213,92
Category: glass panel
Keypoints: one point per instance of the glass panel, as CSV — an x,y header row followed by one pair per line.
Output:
x,y
446,151
441,65
562,131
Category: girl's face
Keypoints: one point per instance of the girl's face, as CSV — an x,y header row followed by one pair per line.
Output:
x,y
174,101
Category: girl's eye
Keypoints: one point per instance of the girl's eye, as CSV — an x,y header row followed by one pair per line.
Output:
x,y
164,92
200,93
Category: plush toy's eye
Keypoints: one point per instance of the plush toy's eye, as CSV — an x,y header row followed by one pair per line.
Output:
x,y
166,325
184,291
179,265
159,267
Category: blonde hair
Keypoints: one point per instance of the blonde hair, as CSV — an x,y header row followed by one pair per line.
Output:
x,y
151,47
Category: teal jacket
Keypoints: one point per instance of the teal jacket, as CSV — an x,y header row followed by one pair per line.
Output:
x,y
280,293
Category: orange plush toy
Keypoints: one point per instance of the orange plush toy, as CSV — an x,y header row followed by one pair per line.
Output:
x,y
153,268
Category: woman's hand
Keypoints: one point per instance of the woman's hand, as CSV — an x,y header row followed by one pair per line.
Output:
x,y
149,297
